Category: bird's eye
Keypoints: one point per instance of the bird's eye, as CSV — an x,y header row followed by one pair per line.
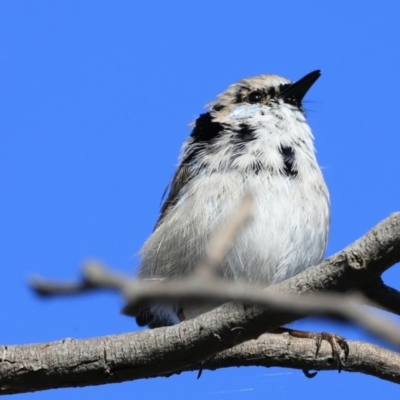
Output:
x,y
255,97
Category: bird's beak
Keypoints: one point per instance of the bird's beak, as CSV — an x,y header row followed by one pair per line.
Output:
x,y
295,93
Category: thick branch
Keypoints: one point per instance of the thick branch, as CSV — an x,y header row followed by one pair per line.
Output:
x,y
113,359
284,351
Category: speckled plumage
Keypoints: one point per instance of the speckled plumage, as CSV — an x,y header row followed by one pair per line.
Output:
x,y
254,137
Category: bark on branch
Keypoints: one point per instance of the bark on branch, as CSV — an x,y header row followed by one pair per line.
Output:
x,y
113,359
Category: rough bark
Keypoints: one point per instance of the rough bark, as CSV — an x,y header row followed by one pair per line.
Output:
x,y
112,359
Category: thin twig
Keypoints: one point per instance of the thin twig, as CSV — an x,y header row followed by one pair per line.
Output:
x,y
45,287
95,275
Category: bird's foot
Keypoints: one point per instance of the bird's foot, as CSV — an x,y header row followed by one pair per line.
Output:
x,y
338,344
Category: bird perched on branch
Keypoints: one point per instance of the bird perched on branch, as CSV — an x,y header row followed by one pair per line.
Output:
x,y
254,137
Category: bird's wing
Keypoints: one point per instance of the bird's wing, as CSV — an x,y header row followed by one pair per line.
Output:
x,y
205,129
183,175
142,312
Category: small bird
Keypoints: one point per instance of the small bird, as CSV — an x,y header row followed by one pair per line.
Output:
x,y
254,137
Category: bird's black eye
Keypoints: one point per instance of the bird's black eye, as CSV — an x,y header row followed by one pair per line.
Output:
x,y
255,97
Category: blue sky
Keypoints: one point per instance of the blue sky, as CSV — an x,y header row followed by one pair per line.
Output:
x,y
96,98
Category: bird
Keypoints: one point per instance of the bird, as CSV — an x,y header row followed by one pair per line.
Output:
x,y
254,137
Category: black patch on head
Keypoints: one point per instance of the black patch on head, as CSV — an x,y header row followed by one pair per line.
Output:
x,y
242,93
259,95
218,107
245,133
272,92
206,128
288,159
238,97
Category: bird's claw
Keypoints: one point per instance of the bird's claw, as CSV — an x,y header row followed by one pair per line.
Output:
x,y
337,342
309,374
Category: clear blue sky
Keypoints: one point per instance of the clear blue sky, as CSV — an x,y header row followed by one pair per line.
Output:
x,y
95,101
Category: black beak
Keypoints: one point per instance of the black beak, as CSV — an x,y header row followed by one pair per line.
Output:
x,y
296,91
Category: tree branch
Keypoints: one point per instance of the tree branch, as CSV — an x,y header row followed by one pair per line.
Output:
x,y
112,359
95,276
284,351
385,296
